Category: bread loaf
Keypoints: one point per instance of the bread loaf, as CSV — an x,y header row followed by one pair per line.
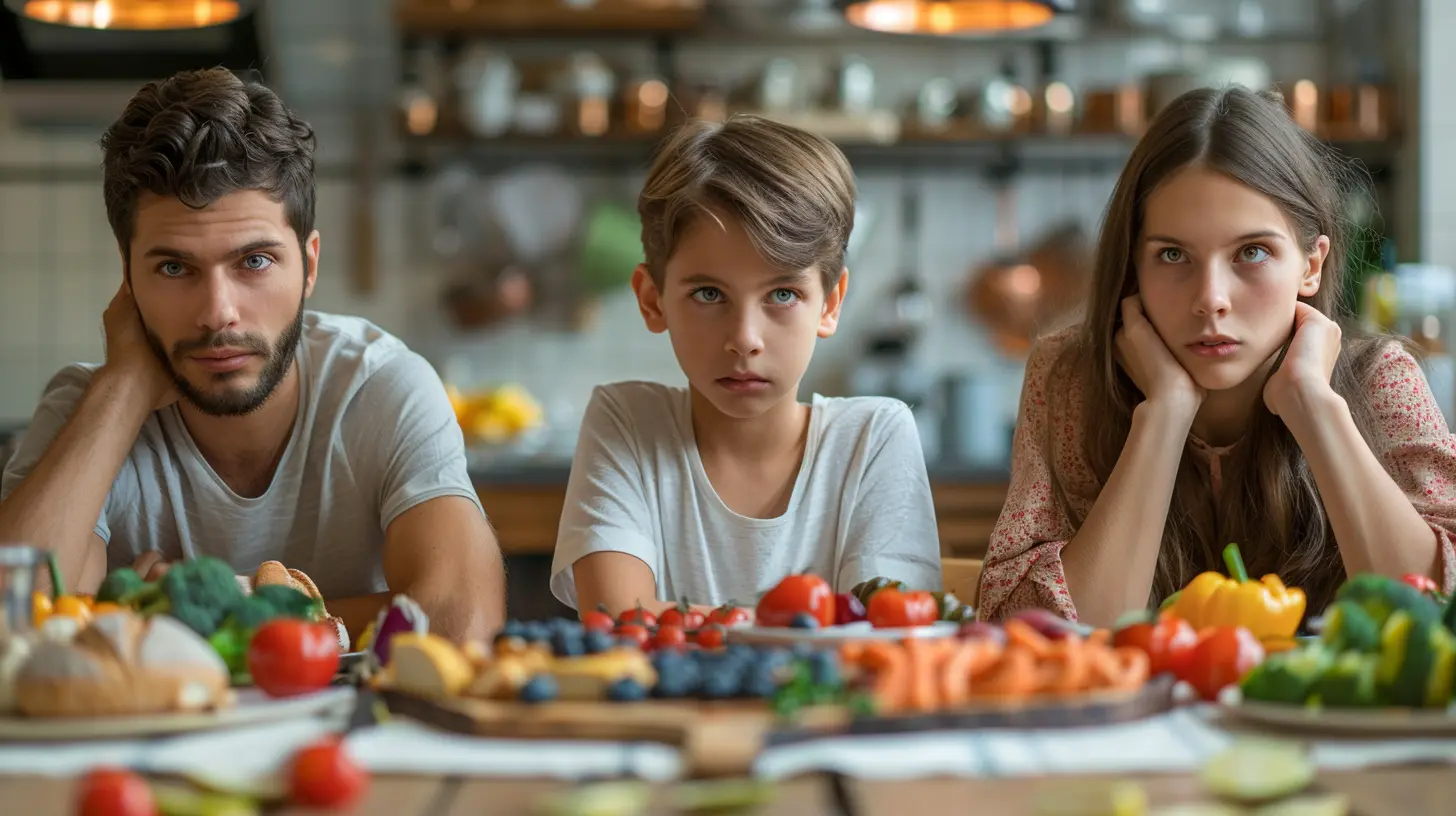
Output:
x,y
123,664
273,572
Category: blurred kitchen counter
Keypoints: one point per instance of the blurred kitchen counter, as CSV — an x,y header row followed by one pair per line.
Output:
x,y
524,499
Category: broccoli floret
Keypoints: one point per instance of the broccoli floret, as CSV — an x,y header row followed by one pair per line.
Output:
x,y
1286,677
199,592
1380,596
288,602
1348,627
250,613
119,584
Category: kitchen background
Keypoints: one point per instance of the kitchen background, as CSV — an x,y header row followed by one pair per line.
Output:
x,y
479,159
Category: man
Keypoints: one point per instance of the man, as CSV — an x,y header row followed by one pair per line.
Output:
x,y
229,421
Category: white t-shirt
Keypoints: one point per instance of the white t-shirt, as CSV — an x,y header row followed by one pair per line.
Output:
x,y
374,436
861,505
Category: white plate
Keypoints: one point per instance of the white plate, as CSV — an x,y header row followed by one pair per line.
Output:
x,y
787,636
1393,721
251,707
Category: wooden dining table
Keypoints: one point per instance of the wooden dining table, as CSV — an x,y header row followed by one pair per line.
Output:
x,y
1388,791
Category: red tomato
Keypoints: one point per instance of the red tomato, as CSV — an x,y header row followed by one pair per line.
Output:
x,y
682,615
598,620
1422,582
636,633
1170,643
1222,656
729,614
287,657
795,594
711,636
1137,635
891,608
638,615
669,636
324,776
115,792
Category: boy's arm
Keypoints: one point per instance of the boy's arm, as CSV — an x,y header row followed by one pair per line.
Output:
x,y
606,544
892,530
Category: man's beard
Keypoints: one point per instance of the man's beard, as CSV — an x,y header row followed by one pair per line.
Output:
x,y
279,358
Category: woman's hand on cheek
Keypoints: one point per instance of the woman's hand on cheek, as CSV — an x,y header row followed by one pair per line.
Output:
x,y
1307,366
1142,353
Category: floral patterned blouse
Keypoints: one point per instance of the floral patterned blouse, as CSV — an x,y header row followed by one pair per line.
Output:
x,y
1023,566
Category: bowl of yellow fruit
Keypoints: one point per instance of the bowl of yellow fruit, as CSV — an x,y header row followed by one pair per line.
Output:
x,y
496,416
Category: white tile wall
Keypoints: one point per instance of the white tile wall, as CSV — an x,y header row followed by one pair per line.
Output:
x,y
58,265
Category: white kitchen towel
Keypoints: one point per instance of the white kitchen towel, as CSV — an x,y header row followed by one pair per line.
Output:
x,y
407,747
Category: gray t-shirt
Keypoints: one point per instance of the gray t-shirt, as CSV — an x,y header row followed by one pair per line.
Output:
x,y
374,436
860,508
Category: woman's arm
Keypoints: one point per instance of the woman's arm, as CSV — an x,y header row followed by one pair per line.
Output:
x,y
1110,562
1376,526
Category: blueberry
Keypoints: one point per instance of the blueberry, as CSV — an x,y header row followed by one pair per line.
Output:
x,y
536,632
775,658
804,620
722,684
594,642
824,669
566,626
677,678
761,682
565,644
539,689
513,628
802,651
626,690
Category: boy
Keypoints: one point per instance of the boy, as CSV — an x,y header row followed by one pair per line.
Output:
x,y
718,491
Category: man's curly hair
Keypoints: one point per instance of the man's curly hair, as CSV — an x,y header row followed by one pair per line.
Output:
x,y
199,136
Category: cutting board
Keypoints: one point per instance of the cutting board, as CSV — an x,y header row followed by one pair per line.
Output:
x,y
724,738
715,738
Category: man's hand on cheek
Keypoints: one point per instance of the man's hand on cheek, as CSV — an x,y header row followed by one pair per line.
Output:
x,y
128,353
150,565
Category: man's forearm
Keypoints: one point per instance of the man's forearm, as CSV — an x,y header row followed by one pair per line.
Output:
x,y
57,505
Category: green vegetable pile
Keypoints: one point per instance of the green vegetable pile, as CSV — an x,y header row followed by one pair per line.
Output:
x,y
1384,643
204,594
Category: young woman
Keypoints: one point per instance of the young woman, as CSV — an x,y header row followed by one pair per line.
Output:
x,y
1210,398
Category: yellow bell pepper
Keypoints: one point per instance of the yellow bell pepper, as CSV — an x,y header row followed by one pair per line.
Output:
x,y
1266,607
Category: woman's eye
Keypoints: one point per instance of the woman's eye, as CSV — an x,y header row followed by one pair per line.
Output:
x,y
1170,255
707,294
1253,254
171,269
257,263
784,297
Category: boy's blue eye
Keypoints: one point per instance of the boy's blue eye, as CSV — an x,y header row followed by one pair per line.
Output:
x,y
707,294
1170,255
784,297
1253,254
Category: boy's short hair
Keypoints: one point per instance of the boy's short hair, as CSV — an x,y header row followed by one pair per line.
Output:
x,y
792,190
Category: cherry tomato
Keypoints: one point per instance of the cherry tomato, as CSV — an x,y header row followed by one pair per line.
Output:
x,y
711,636
288,657
1137,635
795,594
669,636
115,792
729,614
1170,644
598,620
682,615
1222,656
1422,582
638,615
892,608
848,609
634,633
324,776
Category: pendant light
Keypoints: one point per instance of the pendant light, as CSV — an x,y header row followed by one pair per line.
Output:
x,y
951,16
133,15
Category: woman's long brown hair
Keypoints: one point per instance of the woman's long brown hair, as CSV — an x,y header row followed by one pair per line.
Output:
x,y
1269,502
